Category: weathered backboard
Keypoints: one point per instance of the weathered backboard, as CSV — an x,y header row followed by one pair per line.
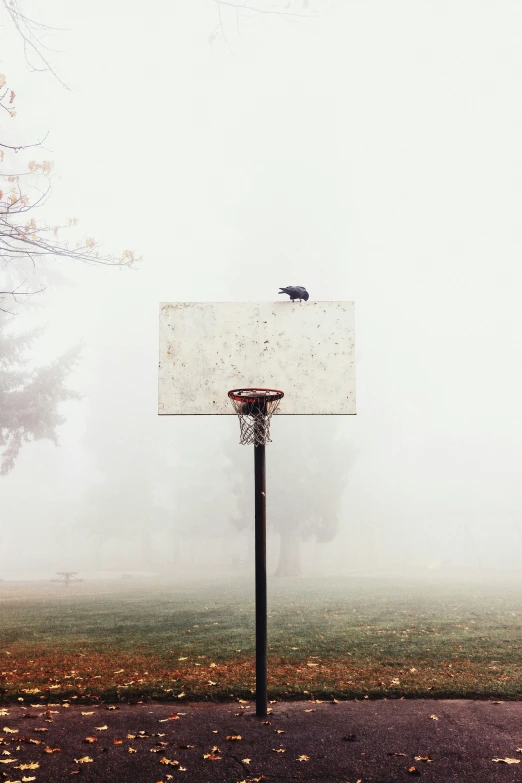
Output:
x,y
208,348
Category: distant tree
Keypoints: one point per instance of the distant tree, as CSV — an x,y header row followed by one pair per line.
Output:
x,y
204,506
307,474
124,508
29,396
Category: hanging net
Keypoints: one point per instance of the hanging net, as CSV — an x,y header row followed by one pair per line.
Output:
x,y
254,408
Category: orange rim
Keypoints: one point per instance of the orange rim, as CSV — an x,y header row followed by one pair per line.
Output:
x,y
253,395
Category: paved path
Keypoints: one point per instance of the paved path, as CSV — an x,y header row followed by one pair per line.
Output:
x,y
463,740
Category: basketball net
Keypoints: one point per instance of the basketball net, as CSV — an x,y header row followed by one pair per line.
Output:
x,y
255,408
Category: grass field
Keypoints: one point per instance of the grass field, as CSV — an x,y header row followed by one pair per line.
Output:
x,y
327,638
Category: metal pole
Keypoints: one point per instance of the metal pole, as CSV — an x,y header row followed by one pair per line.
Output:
x,y
261,603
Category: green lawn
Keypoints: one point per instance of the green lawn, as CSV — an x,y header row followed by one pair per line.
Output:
x,y
327,637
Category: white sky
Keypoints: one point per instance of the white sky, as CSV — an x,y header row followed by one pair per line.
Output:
x,y
371,154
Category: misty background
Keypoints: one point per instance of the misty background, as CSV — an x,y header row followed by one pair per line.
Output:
x,y
370,152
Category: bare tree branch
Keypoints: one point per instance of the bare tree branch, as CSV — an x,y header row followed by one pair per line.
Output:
x,y
285,10
22,146
32,32
24,190
245,5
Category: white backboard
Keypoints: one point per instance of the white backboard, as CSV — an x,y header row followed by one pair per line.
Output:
x,y
208,348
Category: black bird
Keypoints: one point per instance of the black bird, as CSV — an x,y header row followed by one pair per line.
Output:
x,y
295,292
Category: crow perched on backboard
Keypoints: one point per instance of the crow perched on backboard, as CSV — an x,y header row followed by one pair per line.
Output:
x,y
295,292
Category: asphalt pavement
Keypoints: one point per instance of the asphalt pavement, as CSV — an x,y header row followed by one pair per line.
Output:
x,y
340,742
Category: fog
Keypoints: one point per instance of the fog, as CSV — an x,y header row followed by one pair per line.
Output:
x,y
370,152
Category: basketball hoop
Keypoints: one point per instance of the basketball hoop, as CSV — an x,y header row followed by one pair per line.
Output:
x,y
254,408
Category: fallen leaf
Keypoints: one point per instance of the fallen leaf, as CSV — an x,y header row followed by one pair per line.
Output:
x,y
117,742
30,765
211,756
92,739
423,758
10,731
131,736
42,729
413,771
232,737
47,749
8,761
26,779
279,731
303,758
279,750
180,695
246,761
87,713
167,762
393,753
433,717
84,760
101,728
309,710
132,750
184,747
507,761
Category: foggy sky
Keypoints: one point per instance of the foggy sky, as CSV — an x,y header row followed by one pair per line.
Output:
x,y
372,154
